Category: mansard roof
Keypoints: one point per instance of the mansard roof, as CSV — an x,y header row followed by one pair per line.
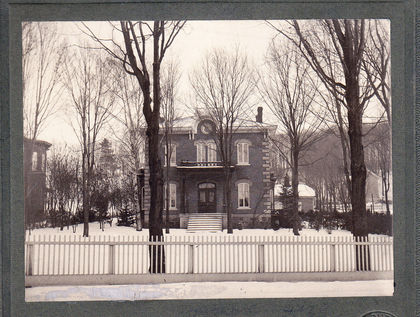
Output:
x,y
190,124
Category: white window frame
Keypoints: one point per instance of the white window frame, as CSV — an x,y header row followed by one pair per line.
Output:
x,y
244,196
201,152
172,161
206,151
34,161
242,149
172,196
211,151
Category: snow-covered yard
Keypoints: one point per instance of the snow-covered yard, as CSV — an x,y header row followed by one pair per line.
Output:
x,y
115,230
211,290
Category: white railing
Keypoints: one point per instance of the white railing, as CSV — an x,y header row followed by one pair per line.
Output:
x,y
201,164
71,255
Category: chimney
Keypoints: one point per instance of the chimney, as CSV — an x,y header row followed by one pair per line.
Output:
x,y
259,117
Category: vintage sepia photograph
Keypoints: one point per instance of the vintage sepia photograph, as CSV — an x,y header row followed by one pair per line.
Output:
x,y
207,159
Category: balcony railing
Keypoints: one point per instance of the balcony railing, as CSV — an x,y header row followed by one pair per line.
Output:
x,y
200,164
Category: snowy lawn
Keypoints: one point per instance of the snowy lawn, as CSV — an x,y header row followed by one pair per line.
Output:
x,y
211,290
115,230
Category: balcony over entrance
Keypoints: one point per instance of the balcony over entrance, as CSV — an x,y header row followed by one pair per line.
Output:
x,y
200,165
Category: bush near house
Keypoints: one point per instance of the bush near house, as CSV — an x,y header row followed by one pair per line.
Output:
x,y
378,223
283,219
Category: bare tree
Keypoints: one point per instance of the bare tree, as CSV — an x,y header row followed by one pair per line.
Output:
x,y
286,89
42,56
335,49
137,39
377,64
62,186
223,88
90,99
378,158
170,78
128,113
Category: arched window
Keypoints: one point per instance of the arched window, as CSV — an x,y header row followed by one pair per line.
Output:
x,y
206,151
243,195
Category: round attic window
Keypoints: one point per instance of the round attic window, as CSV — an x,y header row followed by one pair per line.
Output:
x,y
206,128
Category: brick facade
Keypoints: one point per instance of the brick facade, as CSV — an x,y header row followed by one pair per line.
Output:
x,y
189,175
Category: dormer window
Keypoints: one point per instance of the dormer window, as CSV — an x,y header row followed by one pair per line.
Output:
x,y
206,127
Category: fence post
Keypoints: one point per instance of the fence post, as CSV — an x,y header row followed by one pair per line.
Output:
x,y
332,256
111,259
30,258
191,260
261,258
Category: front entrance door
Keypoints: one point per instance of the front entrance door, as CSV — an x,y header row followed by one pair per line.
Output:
x,y
207,197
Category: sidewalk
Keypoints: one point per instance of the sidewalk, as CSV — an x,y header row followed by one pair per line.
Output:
x,y
211,290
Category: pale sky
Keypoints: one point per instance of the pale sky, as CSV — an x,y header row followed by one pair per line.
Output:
x,y
189,48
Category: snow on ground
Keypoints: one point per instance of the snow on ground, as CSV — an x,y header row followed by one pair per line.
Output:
x,y
115,230
211,290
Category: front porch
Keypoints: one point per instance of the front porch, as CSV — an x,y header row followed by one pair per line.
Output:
x,y
203,221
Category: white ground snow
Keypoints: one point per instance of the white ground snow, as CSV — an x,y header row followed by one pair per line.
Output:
x,y
211,290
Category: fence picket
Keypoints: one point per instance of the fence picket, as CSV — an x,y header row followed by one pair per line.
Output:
x,y
63,255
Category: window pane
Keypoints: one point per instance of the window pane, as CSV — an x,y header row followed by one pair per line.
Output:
x,y
202,196
212,152
239,149
211,196
246,194
201,152
243,195
206,185
245,156
34,161
173,155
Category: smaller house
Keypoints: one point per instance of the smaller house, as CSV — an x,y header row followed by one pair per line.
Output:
x,y
35,165
306,197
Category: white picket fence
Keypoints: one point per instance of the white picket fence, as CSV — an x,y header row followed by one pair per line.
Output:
x,y
71,255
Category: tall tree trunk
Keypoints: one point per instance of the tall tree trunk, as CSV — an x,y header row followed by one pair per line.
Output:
x,y
228,193
358,175
295,189
157,264
168,162
139,220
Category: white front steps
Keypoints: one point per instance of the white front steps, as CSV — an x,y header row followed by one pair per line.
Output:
x,y
205,222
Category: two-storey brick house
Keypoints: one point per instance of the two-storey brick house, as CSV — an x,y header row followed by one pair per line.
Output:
x,y
196,177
